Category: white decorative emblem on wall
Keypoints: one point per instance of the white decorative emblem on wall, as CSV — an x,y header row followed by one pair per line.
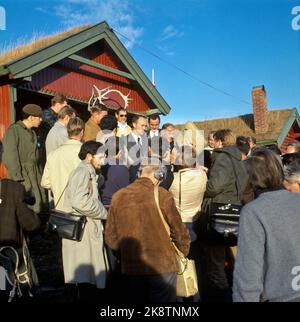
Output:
x,y
101,95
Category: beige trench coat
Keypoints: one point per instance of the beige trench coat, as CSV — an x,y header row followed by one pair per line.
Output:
x,y
60,163
84,261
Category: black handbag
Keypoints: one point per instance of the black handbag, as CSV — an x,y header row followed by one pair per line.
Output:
x,y
224,219
224,222
67,225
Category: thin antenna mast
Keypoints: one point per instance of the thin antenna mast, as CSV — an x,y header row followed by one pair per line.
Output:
x,y
153,77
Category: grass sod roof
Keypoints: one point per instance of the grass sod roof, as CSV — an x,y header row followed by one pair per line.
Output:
x,y
244,125
33,57
15,52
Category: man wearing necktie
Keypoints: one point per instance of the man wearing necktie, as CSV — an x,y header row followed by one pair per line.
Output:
x,y
154,122
137,145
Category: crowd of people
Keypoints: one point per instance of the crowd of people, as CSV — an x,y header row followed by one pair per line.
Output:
x,y
107,169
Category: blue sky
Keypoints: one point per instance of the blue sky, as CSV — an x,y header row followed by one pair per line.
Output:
x,y
232,45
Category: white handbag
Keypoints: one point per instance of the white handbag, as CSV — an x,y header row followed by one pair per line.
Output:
x,y
187,284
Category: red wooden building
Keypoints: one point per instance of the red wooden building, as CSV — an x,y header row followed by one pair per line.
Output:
x,y
71,63
268,126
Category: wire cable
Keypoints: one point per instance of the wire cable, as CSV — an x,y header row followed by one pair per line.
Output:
x,y
183,71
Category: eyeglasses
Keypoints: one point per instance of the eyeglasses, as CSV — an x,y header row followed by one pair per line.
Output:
x,y
123,115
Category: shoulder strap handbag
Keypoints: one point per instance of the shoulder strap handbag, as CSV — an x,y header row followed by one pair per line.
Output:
x,y
18,274
9,272
186,284
61,195
179,197
90,189
68,225
167,227
224,218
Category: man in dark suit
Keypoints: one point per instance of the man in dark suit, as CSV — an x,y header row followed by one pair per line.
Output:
x,y
154,122
137,145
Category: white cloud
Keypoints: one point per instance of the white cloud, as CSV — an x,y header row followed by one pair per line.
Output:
x,y
170,53
171,32
117,13
40,9
168,33
167,51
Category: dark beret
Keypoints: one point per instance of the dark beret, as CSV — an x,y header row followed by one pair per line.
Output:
x,y
32,109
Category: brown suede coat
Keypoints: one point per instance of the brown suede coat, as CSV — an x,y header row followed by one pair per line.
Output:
x,y
134,227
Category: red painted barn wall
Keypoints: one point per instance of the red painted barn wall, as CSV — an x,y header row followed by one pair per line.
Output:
x,y
76,80
5,118
101,53
293,136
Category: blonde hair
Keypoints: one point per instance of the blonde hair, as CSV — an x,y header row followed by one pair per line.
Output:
x,y
75,126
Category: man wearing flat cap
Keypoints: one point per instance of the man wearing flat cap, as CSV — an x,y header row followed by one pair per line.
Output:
x,y
20,154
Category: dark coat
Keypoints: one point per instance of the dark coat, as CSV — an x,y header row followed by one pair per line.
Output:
x,y
148,133
116,177
14,213
49,117
21,158
135,228
227,177
167,182
135,154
